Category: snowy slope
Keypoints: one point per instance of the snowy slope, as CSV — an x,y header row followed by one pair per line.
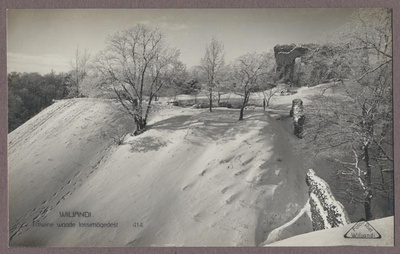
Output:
x,y
193,179
52,154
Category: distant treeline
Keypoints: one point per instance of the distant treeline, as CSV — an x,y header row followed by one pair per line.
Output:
x,y
29,93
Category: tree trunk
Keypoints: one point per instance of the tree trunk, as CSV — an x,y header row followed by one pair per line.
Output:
x,y
210,100
385,192
368,192
140,125
264,104
219,98
148,108
245,99
241,113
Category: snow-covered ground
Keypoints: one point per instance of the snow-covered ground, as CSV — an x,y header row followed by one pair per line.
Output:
x,y
195,178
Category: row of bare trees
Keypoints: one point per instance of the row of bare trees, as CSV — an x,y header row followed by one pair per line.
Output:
x,y
251,72
137,64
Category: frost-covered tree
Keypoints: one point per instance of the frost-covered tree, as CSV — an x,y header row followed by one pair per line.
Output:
x,y
212,65
137,63
247,71
269,94
177,83
79,66
353,125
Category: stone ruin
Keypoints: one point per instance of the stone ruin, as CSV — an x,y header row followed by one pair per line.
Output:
x,y
326,211
285,58
298,117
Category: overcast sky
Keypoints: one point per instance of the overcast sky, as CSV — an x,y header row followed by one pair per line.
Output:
x,y
45,40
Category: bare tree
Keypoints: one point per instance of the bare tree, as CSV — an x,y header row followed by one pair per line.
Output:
x,y
268,95
79,69
176,83
224,84
196,79
247,71
212,64
268,85
137,63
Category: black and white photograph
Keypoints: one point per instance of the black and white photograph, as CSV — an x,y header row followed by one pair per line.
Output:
x,y
245,127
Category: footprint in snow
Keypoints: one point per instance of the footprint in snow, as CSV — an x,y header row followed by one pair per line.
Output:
x,y
224,190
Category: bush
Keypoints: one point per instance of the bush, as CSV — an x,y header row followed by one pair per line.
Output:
x,y
225,104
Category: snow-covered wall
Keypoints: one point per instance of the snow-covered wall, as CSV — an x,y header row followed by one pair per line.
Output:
x,y
326,211
298,117
321,211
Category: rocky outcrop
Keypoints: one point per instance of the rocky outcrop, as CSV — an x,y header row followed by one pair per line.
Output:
x,y
285,56
298,117
326,211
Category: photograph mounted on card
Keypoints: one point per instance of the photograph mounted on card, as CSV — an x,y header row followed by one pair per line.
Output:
x,y
200,127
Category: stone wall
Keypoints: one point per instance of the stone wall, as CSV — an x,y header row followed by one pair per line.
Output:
x,y
285,56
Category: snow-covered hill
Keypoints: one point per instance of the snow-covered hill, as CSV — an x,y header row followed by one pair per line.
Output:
x,y
52,155
194,178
